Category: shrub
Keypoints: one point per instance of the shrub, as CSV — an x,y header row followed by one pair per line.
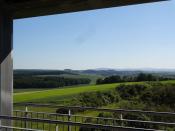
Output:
x,y
97,99
130,91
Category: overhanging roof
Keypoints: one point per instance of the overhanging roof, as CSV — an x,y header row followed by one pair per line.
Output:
x,y
32,8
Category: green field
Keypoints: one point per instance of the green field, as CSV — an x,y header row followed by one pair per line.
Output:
x,y
65,96
29,90
59,93
60,96
55,95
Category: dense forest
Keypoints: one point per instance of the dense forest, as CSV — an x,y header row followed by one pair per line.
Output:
x,y
25,79
137,78
25,82
36,72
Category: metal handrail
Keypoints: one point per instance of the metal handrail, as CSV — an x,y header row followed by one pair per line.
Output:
x,y
87,125
123,111
102,118
18,128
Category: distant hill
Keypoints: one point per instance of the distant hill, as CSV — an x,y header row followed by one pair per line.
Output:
x,y
99,72
67,74
110,72
34,72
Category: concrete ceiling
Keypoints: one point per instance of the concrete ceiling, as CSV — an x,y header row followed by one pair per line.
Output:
x,y
32,8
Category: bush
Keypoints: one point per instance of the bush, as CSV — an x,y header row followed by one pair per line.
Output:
x,y
62,111
130,91
163,95
97,99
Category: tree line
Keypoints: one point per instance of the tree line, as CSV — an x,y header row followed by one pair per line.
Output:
x,y
24,82
140,77
31,72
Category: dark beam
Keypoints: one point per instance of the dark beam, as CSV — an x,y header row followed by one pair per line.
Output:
x,y
32,8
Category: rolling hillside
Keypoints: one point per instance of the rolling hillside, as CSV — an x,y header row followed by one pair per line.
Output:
x,y
55,94
60,96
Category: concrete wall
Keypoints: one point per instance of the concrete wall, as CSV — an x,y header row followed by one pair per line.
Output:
x,y
6,64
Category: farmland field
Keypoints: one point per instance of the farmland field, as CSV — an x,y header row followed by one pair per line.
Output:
x,y
60,95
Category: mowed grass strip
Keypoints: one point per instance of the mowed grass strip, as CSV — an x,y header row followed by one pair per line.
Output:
x,y
29,96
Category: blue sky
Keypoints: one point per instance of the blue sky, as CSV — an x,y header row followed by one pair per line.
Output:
x,y
139,36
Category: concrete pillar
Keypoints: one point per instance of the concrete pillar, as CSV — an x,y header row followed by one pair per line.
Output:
x,y
6,64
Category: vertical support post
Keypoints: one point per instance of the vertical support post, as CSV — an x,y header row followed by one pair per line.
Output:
x,y
121,118
26,115
57,128
6,64
69,119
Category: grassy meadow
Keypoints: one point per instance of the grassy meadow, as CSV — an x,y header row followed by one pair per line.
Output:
x,y
60,96
66,96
